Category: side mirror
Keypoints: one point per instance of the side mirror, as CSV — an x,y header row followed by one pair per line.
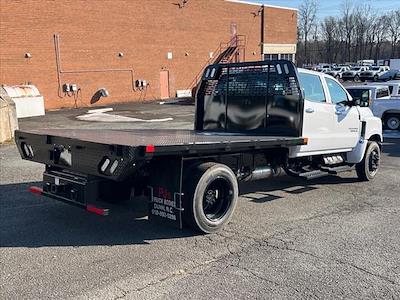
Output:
x,y
356,102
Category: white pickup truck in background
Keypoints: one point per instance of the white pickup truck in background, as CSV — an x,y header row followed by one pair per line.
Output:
x,y
383,99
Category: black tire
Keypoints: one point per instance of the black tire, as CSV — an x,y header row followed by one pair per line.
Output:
x,y
356,78
392,122
211,193
368,167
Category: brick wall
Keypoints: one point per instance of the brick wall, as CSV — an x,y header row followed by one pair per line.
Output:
x,y
92,33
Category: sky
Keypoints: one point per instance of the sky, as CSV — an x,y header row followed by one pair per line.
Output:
x,y
333,7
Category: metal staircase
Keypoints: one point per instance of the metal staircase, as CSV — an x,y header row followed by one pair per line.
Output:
x,y
227,52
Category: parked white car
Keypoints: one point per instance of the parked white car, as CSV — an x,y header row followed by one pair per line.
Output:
x,y
337,72
377,98
373,73
354,73
323,68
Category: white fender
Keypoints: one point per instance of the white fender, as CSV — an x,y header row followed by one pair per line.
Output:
x,y
373,128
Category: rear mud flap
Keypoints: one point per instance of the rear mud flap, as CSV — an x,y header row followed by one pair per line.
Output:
x,y
165,192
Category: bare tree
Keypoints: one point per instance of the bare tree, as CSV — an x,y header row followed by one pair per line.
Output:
x,y
379,34
329,33
358,32
394,30
362,20
348,25
307,19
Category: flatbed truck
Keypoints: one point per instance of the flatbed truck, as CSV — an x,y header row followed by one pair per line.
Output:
x,y
252,119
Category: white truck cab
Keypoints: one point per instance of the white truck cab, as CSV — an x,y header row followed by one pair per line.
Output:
x,y
333,122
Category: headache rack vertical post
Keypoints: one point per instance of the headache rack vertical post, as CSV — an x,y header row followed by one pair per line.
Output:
x,y
226,99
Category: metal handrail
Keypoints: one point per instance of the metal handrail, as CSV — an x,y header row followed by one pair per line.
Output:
x,y
240,44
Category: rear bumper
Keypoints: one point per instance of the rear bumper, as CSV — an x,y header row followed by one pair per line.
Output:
x,y
84,191
88,207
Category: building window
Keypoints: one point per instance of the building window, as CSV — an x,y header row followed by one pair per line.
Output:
x,y
288,56
271,56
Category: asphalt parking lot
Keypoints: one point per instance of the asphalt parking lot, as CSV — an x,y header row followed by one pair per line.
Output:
x,y
329,238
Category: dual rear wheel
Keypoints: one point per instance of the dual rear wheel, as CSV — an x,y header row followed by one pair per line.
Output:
x,y
211,193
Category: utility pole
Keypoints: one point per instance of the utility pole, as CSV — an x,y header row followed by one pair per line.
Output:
x,y
262,32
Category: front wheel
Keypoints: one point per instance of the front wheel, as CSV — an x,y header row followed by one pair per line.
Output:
x,y
356,78
368,167
376,78
211,194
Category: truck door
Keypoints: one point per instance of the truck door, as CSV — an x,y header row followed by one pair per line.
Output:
x,y
346,123
317,119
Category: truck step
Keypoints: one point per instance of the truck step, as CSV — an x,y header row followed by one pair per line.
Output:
x,y
314,174
337,170
326,171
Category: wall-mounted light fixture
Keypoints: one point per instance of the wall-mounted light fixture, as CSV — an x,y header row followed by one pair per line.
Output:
x,y
169,55
103,92
27,55
120,54
211,54
186,53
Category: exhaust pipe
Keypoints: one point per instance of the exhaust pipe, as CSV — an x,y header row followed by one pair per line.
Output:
x,y
261,173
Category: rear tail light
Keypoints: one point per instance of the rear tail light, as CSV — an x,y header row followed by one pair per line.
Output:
x,y
97,210
36,190
106,167
27,150
104,164
114,166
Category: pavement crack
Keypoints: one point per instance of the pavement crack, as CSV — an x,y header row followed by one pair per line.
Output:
x,y
337,261
124,293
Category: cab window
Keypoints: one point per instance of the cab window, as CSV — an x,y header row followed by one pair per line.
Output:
x,y
361,95
338,95
312,87
380,93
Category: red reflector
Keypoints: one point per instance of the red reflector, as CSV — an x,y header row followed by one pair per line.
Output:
x,y
150,148
36,190
96,210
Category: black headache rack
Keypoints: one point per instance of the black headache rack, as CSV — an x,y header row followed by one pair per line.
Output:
x,y
242,109
259,97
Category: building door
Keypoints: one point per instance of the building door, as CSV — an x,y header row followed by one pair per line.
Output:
x,y
164,84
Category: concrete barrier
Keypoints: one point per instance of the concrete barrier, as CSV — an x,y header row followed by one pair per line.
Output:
x,y
8,117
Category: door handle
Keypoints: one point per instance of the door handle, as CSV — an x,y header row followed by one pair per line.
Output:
x,y
309,110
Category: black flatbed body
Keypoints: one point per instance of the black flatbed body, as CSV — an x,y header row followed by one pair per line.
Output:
x,y
167,141
240,109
